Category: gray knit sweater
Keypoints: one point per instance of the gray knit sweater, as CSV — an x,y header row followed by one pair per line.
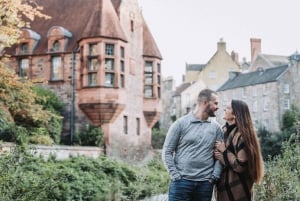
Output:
x,y
188,149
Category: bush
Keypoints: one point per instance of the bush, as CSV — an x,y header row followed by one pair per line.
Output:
x,y
271,143
24,177
158,138
41,139
282,178
290,117
89,136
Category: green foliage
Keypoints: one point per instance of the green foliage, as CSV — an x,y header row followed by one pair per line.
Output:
x,y
23,110
271,142
173,118
89,136
18,109
48,99
50,102
282,178
41,139
24,177
158,138
16,14
290,117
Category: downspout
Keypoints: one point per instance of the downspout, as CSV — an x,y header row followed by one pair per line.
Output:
x,y
73,95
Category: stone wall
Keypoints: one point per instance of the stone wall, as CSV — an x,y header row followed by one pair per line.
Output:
x,y
61,152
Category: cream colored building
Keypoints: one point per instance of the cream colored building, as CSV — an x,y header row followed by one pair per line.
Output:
x,y
215,72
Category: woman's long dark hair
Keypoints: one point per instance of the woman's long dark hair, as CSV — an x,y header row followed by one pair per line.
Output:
x,y
245,126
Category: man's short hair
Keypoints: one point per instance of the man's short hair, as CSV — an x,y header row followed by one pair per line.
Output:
x,y
205,95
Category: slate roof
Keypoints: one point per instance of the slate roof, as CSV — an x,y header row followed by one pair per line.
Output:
x,y
195,67
276,60
150,47
85,19
253,78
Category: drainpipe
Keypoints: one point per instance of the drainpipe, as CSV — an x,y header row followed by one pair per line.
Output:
x,y
73,96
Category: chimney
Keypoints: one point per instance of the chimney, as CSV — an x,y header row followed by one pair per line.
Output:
x,y
221,45
255,47
235,56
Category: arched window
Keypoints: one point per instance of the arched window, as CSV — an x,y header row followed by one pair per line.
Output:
x,y
56,46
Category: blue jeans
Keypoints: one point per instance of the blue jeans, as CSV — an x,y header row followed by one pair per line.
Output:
x,y
185,190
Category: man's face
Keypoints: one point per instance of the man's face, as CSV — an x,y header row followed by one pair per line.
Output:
x,y
212,106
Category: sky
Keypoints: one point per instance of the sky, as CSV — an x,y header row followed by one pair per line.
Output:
x,y
187,31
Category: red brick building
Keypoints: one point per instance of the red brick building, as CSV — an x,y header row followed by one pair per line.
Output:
x,y
100,58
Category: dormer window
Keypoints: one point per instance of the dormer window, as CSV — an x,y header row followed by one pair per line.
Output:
x,y
28,41
56,46
58,38
24,48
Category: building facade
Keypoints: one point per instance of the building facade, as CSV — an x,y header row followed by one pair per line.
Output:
x,y
269,93
215,72
101,59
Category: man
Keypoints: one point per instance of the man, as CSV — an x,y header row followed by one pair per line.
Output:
x,y
188,151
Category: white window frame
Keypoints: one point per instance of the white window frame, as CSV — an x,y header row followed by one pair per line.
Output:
x,y
286,104
286,88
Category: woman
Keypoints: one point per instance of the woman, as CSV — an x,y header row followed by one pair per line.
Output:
x,y
240,155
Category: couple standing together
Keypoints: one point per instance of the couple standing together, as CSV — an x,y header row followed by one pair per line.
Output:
x,y
199,154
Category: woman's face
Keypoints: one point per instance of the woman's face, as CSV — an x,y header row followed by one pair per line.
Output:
x,y
228,113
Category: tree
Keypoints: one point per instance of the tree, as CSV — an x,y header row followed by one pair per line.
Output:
x,y
14,15
18,100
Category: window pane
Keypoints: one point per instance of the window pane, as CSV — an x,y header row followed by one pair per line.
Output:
x,y
158,79
93,64
148,92
109,64
158,68
212,74
122,67
24,48
92,79
148,67
148,78
109,49
24,67
122,52
286,104
93,49
122,81
158,92
56,46
125,125
286,88
109,79
56,68
138,126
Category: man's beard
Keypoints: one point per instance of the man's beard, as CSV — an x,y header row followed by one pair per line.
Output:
x,y
210,112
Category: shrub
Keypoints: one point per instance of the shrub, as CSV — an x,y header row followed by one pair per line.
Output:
x,y
158,138
282,178
271,143
24,177
41,139
89,136
290,117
